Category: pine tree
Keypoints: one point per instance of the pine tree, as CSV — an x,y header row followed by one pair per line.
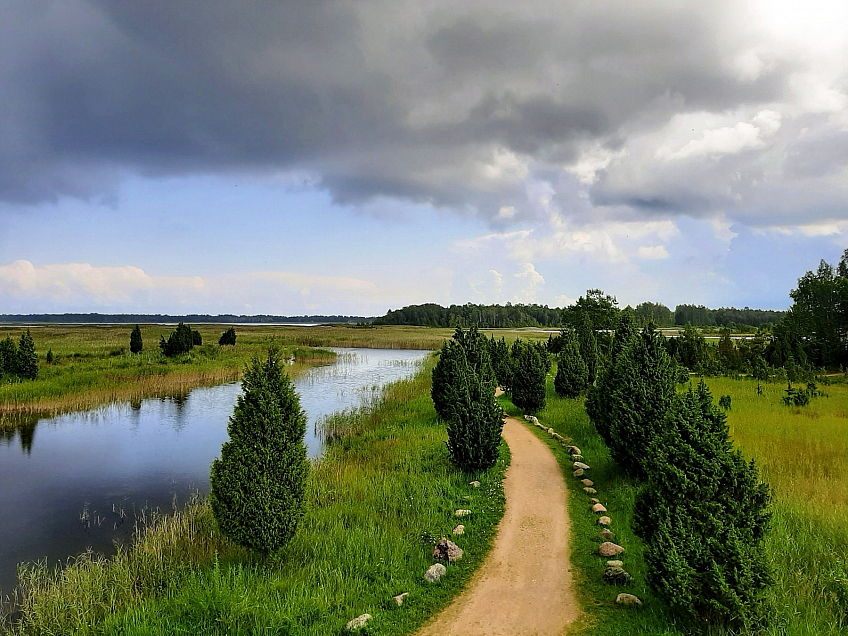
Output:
x,y
228,337
136,343
8,357
528,380
196,338
181,340
26,366
475,422
469,346
258,484
589,349
703,517
572,376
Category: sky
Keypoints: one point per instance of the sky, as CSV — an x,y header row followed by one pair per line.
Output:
x,y
353,157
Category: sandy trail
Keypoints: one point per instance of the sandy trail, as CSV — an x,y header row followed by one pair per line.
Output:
x,y
524,586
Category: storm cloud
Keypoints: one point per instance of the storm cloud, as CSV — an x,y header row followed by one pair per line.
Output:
x,y
623,110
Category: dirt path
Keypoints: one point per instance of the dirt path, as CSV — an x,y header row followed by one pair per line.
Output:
x,y
524,586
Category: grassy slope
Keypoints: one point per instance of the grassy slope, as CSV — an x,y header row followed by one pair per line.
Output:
x,y
372,499
93,366
803,454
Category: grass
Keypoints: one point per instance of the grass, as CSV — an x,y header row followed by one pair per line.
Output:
x,y
92,364
802,453
378,500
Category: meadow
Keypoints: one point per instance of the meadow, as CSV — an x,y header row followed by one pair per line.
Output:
x,y
801,452
379,498
92,364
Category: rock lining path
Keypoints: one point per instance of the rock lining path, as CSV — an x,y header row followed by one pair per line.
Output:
x,y
525,584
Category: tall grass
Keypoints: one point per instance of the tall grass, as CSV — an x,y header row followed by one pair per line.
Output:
x,y
802,453
378,500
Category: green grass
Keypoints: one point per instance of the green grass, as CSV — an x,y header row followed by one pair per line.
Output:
x,y
802,453
378,500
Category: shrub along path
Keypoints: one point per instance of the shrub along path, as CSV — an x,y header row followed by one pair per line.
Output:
x,y
525,585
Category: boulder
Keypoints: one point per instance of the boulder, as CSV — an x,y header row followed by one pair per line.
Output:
x,y
587,482
608,549
578,472
556,436
627,599
590,491
598,507
574,450
461,512
475,484
358,623
447,550
399,598
604,521
594,501
550,431
616,575
460,529
435,572
577,458
580,465
606,534
615,564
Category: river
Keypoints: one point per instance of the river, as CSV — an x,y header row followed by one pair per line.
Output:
x,y
80,480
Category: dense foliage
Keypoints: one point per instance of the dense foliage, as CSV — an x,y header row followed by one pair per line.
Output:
x,y
572,376
18,361
228,337
485,316
703,516
655,313
597,309
530,366
466,347
501,362
181,340
136,343
259,482
701,316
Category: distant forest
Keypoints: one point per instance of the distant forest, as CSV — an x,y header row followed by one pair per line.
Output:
x,y
509,315
189,318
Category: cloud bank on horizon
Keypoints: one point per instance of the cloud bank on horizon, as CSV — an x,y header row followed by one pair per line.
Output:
x,y
659,150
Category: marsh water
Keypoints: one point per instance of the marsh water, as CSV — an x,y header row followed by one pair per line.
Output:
x,y
81,480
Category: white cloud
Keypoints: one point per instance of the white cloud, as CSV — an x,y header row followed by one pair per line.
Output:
x,y
727,139
531,282
652,252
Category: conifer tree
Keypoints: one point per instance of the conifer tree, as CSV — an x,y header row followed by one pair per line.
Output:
x,y
589,348
703,517
228,337
528,377
572,376
470,346
8,357
26,366
259,483
136,343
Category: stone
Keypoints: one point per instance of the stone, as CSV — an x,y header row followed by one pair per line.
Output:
x,y
616,575
461,513
447,550
576,458
435,572
399,598
606,534
580,465
460,529
358,623
550,431
475,484
628,599
578,472
604,521
608,549
598,507
590,491
574,450
587,482
556,436
615,564
594,501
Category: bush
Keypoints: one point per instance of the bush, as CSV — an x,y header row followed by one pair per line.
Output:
x,y
258,484
181,340
475,422
501,362
49,358
703,517
136,343
8,356
26,364
572,376
228,337
466,347
528,377
196,338
724,402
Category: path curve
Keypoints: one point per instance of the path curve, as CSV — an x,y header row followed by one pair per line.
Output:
x,y
525,584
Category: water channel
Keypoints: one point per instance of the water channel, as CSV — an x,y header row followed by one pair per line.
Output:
x,y
80,480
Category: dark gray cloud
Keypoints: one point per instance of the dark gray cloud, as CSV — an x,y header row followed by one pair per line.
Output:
x,y
454,104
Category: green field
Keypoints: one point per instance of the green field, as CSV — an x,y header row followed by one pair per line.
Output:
x,y
802,453
378,500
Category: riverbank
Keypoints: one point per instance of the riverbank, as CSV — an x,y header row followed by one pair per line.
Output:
x,y
92,364
378,500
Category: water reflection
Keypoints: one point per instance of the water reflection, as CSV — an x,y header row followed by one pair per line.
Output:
x,y
89,476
